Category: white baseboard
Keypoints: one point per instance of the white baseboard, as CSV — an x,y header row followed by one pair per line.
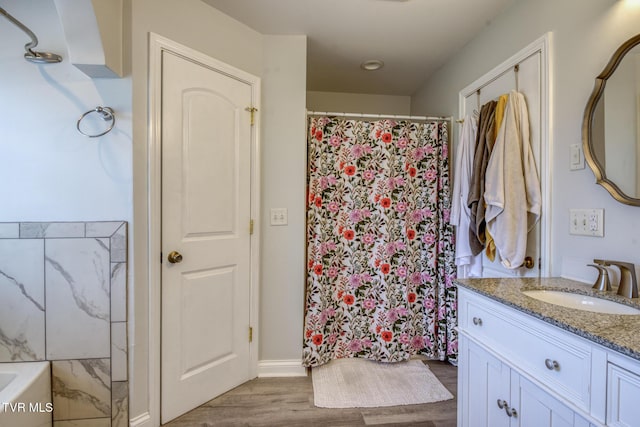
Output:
x,y
142,420
281,368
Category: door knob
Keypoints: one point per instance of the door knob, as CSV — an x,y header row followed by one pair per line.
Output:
x,y
528,263
174,257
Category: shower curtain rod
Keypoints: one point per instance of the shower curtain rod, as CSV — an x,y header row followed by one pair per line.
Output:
x,y
376,116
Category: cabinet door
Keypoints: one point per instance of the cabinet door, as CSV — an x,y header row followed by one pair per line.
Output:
x,y
538,409
623,390
483,381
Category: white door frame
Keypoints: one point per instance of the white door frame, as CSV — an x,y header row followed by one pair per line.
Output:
x,y
158,45
542,45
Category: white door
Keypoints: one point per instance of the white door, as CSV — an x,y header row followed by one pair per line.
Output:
x,y
206,195
529,84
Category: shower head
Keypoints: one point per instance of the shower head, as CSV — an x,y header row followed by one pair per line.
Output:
x,y
31,55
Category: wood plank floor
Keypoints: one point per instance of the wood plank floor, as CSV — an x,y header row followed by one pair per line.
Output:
x,y
289,402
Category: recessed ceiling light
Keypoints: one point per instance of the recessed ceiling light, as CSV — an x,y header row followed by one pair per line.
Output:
x,y
372,65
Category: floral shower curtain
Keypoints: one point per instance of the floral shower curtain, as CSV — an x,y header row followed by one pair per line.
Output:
x,y
380,248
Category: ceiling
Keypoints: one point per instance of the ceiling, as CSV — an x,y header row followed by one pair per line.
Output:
x,y
412,37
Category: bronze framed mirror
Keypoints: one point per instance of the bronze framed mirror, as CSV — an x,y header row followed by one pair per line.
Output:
x,y
611,125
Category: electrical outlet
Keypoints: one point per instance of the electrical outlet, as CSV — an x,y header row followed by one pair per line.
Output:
x,y
279,216
593,221
586,222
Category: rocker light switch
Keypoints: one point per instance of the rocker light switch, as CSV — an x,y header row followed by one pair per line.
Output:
x,y
577,158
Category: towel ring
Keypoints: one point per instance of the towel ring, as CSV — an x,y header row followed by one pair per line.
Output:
x,y
105,113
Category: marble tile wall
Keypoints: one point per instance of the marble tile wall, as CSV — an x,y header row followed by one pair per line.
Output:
x,y
63,298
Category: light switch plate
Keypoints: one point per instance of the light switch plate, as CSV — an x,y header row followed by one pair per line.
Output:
x,y
586,222
577,157
279,216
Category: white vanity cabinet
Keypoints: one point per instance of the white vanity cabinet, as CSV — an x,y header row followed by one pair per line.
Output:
x,y
491,394
516,370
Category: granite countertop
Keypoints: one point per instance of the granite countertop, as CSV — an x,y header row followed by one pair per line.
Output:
x,y
615,331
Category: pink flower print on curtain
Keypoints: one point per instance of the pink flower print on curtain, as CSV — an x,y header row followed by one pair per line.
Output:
x,y
380,249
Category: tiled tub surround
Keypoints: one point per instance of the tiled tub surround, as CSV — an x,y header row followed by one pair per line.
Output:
x,y
617,332
63,299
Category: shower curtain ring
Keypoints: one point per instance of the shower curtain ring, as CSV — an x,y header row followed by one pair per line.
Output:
x,y
106,114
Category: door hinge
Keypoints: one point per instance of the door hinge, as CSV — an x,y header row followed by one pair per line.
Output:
x,y
250,227
252,110
160,257
540,263
250,334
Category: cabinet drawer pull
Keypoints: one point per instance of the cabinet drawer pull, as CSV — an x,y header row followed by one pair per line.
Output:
x,y
551,365
501,404
477,321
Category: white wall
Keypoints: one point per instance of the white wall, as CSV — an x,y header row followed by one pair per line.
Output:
x,y
283,186
585,34
342,102
49,171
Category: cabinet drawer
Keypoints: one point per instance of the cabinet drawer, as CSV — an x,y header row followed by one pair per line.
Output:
x,y
556,359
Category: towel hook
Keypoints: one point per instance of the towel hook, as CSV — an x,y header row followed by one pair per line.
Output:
x,y
106,114
516,68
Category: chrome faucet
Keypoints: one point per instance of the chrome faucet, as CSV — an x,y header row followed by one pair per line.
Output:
x,y
628,283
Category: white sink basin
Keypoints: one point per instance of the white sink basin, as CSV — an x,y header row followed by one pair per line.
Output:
x,y
581,302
